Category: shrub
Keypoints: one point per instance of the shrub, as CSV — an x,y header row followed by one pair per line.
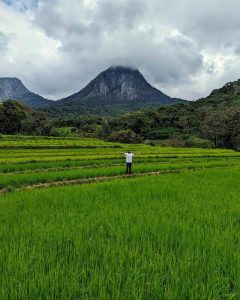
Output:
x,y
125,136
197,142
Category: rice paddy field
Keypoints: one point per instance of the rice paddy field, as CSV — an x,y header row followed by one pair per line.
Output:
x,y
74,226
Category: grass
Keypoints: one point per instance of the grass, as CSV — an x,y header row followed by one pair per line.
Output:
x,y
164,237
28,178
171,236
54,162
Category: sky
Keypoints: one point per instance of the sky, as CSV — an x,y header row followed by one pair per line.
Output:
x,y
184,48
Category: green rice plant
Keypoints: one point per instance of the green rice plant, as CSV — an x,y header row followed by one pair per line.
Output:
x,y
174,236
87,163
25,179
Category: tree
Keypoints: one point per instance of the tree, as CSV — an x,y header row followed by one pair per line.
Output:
x,y
36,123
12,115
125,136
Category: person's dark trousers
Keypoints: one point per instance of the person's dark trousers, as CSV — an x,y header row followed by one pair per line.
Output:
x,y
128,168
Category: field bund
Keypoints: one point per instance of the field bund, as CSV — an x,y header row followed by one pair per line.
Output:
x,y
172,235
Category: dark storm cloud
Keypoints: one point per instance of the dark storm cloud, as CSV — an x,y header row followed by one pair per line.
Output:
x,y
185,47
106,33
21,5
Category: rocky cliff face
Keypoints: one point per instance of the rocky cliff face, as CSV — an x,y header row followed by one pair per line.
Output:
x,y
122,84
116,90
13,89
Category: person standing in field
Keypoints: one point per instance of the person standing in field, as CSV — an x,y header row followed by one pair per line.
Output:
x,y
129,157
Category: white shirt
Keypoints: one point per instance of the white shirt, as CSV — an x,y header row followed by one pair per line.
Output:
x,y
129,157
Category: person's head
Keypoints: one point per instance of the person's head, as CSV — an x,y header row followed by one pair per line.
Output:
x,y
129,151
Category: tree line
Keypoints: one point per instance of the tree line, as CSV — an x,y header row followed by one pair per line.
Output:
x,y
17,118
209,122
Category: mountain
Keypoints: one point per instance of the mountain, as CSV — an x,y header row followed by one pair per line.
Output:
x,y
12,88
114,91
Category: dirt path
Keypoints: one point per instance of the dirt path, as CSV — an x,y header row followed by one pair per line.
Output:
x,y
100,179
3,191
86,181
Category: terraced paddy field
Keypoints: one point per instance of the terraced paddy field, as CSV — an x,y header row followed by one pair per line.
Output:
x,y
73,226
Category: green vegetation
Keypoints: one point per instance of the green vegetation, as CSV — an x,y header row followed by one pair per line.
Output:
x,y
166,241
166,236
18,118
26,161
198,124
213,121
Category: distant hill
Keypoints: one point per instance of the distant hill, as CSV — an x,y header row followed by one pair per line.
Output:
x,y
212,120
114,91
12,88
227,95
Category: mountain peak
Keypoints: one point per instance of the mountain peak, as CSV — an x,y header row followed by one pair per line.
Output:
x,y
122,68
12,88
118,88
10,79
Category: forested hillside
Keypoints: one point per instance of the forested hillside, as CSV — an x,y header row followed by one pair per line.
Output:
x,y
213,121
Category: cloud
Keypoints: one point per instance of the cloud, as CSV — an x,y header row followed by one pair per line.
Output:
x,y
22,5
185,48
4,39
29,52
